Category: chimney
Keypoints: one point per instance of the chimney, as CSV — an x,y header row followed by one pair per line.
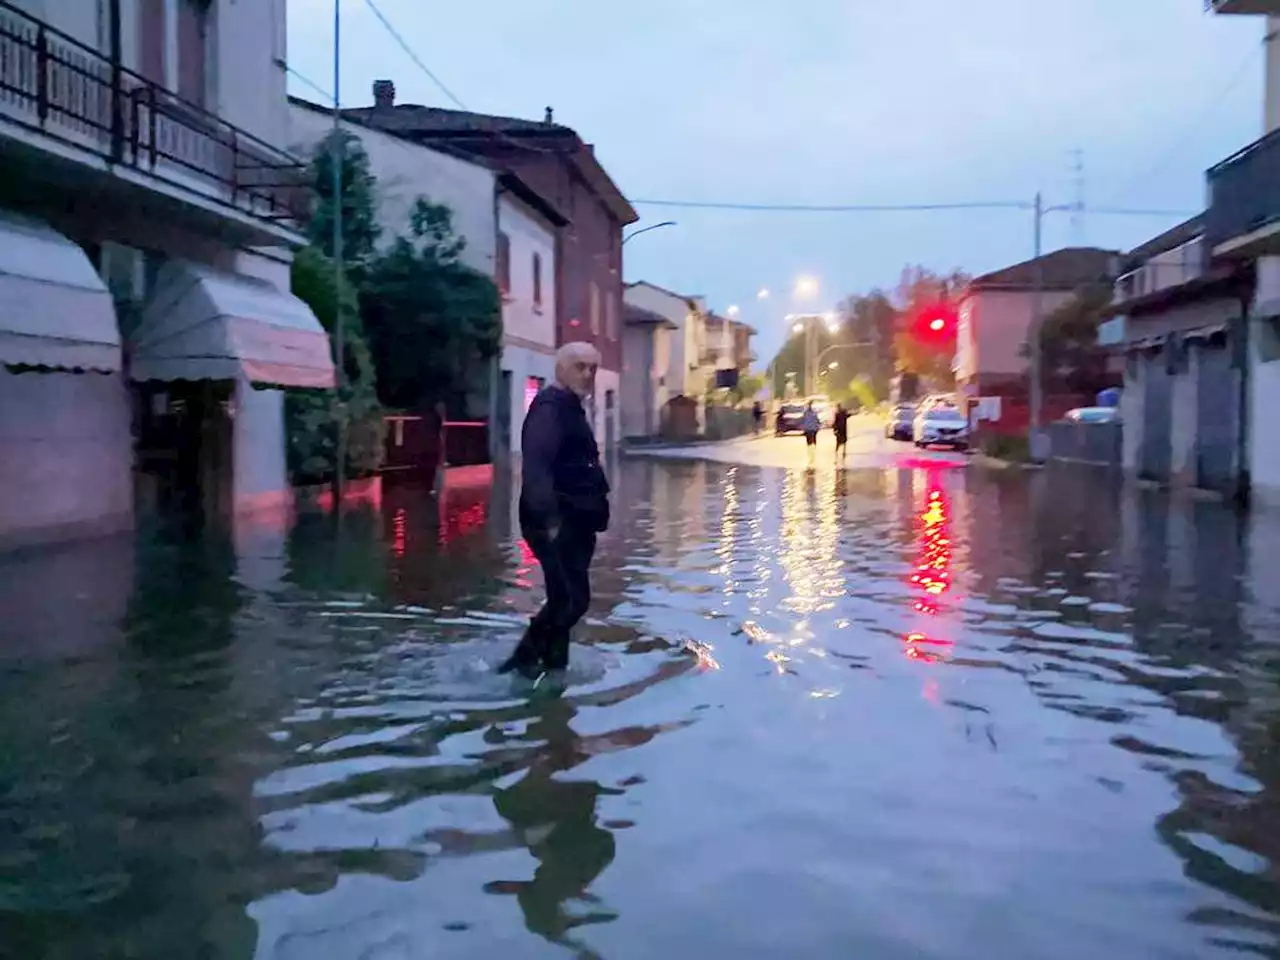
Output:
x,y
384,94
549,118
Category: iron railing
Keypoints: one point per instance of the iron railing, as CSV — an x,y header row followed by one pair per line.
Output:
x,y
1244,191
52,83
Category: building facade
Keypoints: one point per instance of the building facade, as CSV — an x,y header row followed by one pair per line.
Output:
x,y
562,169
996,311
1180,326
149,215
527,280
647,340
510,233
1242,226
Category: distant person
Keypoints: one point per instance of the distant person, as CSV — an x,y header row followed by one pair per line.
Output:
x,y
810,424
757,416
564,504
840,427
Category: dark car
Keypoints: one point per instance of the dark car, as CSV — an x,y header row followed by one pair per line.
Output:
x,y
901,419
790,417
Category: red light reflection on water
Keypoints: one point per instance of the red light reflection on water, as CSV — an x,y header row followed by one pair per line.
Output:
x,y
527,562
932,574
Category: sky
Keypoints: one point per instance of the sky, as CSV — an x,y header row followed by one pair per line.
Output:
x,y
836,102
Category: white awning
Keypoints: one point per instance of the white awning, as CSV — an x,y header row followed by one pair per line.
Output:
x,y
206,324
55,311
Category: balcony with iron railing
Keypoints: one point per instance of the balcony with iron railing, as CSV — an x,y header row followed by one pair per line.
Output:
x,y
57,93
1243,219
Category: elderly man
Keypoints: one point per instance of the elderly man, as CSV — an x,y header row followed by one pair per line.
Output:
x,y
564,503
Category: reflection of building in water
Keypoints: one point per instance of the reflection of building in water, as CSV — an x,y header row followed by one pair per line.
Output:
x,y
65,600
680,508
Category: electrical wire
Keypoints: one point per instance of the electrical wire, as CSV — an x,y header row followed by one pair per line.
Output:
x,y
1188,132
409,52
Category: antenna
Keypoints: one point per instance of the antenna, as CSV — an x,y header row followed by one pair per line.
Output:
x,y
1077,205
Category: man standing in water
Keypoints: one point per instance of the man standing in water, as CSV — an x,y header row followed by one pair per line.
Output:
x,y
564,503
840,427
810,424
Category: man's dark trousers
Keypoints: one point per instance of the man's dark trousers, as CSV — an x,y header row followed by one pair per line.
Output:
x,y
566,562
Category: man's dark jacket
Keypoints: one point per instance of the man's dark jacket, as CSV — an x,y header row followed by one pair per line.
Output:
x,y
564,483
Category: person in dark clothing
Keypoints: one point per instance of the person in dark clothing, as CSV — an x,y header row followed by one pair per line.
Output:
x,y
757,415
840,427
564,504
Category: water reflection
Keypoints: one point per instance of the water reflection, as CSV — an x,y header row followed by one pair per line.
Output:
x,y
288,741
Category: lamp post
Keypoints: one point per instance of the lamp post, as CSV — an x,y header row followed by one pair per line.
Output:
x,y
656,226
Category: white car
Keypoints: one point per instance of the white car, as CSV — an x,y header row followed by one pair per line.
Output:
x,y
941,425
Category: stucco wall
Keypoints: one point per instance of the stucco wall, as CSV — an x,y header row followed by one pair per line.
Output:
x,y
1131,412
674,359
1264,393
523,364
1000,322
1182,439
404,172
637,380
65,455
528,236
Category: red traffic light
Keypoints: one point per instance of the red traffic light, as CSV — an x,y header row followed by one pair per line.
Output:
x,y
936,321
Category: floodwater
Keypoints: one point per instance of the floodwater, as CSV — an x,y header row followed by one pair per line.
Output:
x,y
921,712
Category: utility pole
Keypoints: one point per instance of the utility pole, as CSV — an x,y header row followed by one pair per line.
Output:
x,y
340,466
1035,439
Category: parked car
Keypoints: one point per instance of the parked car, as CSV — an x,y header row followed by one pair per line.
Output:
x,y
941,425
1093,415
789,418
899,424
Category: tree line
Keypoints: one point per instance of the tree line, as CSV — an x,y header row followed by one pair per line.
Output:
x,y
877,337
420,326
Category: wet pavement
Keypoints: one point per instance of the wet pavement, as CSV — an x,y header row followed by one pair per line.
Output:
x,y
904,710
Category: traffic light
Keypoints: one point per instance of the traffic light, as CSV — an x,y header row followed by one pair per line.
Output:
x,y
936,322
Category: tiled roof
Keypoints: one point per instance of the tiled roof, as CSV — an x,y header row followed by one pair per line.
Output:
x,y
1064,269
420,119
638,316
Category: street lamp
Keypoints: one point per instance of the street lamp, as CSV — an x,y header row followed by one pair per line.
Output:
x,y
806,287
762,293
805,323
655,226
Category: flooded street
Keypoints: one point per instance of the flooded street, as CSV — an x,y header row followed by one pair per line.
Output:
x,y
907,710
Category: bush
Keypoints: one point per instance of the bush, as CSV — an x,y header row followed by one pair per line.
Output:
x,y
1003,446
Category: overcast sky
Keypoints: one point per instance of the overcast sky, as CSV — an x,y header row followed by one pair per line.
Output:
x,y
836,102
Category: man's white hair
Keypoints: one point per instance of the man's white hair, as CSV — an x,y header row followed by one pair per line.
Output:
x,y
575,351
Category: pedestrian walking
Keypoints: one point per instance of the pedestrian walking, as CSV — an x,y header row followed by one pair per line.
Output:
x,y
840,427
757,416
564,504
810,424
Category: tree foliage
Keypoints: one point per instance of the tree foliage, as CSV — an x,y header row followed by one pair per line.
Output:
x,y
1070,359
312,416
433,321
360,230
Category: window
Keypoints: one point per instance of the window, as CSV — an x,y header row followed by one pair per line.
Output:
x,y
502,265
537,279
611,318
193,39
152,40
595,307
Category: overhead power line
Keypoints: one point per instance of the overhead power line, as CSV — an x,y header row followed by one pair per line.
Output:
x,y
891,207
1197,121
409,52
